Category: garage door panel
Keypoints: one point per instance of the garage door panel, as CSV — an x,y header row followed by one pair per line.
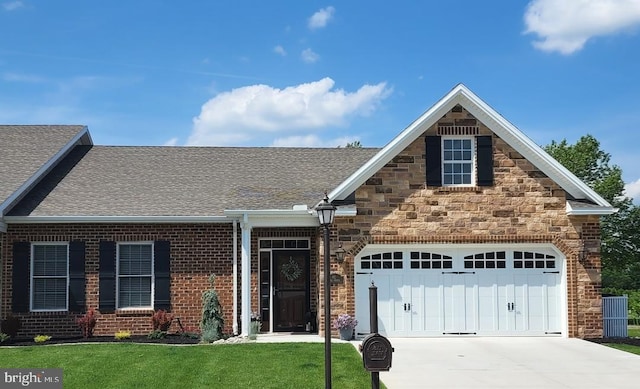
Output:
x,y
433,303
485,293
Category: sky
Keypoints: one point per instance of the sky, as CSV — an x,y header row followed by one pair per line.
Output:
x,y
321,74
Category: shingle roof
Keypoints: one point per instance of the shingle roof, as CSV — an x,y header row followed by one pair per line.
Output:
x,y
26,149
188,181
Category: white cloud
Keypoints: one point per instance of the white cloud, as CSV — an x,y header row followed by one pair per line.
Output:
x,y
309,56
245,114
12,5
321,18
632,190
279,50
565,26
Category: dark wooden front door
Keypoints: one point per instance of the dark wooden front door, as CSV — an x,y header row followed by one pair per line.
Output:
x,y
291,284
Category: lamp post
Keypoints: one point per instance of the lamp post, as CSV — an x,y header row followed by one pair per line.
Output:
x,y
326,211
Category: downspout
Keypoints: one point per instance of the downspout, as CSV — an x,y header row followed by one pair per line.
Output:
x,y
3,230
245,306
235,277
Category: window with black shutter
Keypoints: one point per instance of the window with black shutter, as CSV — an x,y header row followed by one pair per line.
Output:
x,y
459,160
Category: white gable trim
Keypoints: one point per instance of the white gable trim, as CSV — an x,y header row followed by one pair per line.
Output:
x,y
496,123
82,137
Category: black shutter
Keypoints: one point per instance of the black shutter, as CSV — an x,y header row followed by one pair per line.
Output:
x,y
162,275
77,287
20,277
433,160
485,160
107,288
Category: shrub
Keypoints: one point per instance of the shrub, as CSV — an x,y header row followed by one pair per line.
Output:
x,y
212,321
4,337
156,334
11,325
41,338
161,320
120,335
87,323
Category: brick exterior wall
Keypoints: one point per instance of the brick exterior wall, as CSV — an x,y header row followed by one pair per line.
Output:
x,y
197,251
523,206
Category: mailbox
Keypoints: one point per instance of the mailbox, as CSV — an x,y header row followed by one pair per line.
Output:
x,y
376,353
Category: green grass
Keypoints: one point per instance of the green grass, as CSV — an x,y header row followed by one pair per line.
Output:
x,y
277,365
625,347
634,331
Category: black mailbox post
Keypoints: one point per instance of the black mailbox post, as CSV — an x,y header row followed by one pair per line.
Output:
x,y
376,353
376,349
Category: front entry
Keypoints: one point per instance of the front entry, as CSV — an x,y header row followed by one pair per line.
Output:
x,y
290,281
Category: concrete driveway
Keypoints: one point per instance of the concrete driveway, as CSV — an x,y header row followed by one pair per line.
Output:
x,y
509,363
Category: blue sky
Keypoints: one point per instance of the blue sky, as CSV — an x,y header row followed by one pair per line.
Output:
x,y
308,73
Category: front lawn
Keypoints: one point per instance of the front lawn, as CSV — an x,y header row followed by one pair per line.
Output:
x,y
625,347
633,331
276,365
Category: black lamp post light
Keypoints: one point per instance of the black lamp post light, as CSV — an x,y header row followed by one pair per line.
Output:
x,y
326,211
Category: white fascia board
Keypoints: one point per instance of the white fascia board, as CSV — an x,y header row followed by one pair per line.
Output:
x,y
275,217
399,143
492,119
529,149
115,219
589,210
44,169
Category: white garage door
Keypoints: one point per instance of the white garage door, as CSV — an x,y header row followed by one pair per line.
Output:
x,y
437,291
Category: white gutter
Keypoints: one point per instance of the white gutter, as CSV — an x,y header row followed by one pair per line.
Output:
x,y
116,219
15,196
597,211
276,217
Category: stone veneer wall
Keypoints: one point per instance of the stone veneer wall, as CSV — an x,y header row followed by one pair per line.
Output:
x,y
523,206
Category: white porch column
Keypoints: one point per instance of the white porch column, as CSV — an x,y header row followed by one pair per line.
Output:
x,y
235,277
245,287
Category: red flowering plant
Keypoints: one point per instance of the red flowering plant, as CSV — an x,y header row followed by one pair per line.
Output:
x,y
87,323
344,321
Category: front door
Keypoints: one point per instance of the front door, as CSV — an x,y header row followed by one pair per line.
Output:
x,y
291,289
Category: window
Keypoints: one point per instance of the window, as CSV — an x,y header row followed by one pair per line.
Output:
x,y
457,161
49,276
135,275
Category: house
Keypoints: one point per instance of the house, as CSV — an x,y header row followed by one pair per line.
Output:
x,y
462,222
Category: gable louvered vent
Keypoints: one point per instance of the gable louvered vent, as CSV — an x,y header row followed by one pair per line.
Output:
x,y
458,130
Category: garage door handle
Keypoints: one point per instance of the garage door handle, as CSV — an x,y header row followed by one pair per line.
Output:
x,y
407,307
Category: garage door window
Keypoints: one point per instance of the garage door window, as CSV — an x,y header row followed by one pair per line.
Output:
x,y
532,260
426,260
490,260
389,260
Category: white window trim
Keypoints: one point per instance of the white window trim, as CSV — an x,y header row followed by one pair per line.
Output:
x,y
153,278
31,277
474,166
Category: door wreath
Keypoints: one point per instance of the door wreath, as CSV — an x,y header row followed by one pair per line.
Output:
x,y
291,270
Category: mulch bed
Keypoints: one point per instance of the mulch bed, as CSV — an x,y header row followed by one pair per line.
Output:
x,y
629,341
169,339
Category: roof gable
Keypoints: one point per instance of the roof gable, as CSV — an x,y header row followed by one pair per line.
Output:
x,y
461,95
28,152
